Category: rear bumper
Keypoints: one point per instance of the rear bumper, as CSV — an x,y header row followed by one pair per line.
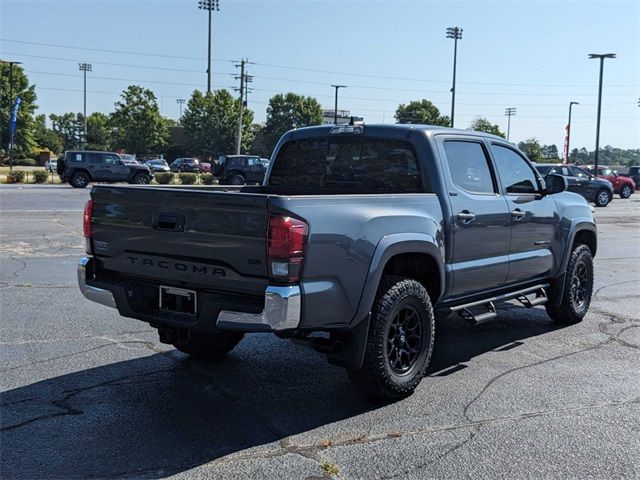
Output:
x,y
282,306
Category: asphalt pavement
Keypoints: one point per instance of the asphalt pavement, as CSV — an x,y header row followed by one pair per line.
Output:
x,y
87,393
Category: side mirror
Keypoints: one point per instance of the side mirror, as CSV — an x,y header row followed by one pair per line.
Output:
x,y
555,184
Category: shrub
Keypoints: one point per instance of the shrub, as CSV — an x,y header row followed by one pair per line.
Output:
x,y
17,176
187,178
206,178
164,178
40,176
25,162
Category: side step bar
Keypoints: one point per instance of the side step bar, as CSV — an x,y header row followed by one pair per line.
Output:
x,y
488,309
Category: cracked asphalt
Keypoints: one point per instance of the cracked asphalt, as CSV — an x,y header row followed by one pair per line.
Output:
x,y
86,393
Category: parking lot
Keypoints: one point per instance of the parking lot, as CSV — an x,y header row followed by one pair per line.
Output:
x,y
87,393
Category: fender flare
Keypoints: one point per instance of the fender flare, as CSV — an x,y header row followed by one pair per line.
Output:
x,y
578,224
356,336
389,247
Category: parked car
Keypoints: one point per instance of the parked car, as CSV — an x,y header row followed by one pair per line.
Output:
x,y
185,165
239,169
80,167
580,181
205,167
623,186
157,165
51,165
265,162
357,237
633,174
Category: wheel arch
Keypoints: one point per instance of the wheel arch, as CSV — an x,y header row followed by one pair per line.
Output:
x,y
414,255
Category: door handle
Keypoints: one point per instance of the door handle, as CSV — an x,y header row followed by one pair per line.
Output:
x,y
466,216
518,214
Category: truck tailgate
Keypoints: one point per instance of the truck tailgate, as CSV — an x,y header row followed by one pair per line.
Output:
x,y
192,237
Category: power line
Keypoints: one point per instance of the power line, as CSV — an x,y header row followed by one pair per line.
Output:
x,y
128,65
303,69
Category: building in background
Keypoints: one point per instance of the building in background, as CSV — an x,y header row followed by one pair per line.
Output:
x,y
344,117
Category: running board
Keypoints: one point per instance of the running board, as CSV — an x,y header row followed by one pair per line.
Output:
x,y
487,305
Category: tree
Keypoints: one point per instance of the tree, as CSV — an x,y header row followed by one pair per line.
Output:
x,y
23,140
481,124
69,127
286,112
45,137
137,124
531,148
550,152
98,132
210,124
579,156
421,112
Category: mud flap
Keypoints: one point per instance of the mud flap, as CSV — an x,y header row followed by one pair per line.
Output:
x,y
354,341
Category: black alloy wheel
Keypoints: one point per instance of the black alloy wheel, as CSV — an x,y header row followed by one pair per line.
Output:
x,y
404,339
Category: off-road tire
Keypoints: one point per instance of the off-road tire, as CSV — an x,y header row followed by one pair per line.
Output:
x,y
209,346
578,288
237,180
626,191
599,200
79,180
377,377
141,179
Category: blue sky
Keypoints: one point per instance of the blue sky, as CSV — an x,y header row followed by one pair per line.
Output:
x,y
531,55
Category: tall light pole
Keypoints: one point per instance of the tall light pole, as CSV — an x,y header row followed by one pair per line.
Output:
x,y
209,6
601,56
180,102
456,34
85,67
509,112
335,110
567,148
11,64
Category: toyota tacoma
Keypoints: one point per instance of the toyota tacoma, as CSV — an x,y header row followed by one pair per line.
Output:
x,y
357,238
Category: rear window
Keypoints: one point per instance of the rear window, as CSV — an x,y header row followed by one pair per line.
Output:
x,y
354,165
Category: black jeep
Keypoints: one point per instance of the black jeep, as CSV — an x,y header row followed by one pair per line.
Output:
x,y
79,167
239,169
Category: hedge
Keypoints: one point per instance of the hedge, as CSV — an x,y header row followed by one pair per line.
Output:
x,y
164,178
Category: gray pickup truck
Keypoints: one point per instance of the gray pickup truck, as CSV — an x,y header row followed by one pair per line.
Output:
x,y
358,237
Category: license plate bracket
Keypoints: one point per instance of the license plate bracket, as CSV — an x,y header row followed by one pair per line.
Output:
x,y
178,300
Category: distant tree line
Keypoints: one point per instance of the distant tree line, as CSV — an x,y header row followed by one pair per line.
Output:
x,y
209,125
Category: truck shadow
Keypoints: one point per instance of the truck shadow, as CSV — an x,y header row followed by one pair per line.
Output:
x,y
154,416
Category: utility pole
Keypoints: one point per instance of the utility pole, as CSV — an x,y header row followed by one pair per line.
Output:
x,y
180,102
242,86
567,148
335,111
11,64
600,56
85,67
209,6
456,34
509,112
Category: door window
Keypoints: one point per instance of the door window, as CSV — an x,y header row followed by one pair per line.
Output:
x,y
469,166
111,159
516,174
95,158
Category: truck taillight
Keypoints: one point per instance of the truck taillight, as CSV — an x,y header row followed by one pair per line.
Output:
x,y
86,226
286,242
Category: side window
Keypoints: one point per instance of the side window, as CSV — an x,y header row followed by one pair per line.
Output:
x,y
111,159
516,174
94,158
75,157
252,162
469,166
